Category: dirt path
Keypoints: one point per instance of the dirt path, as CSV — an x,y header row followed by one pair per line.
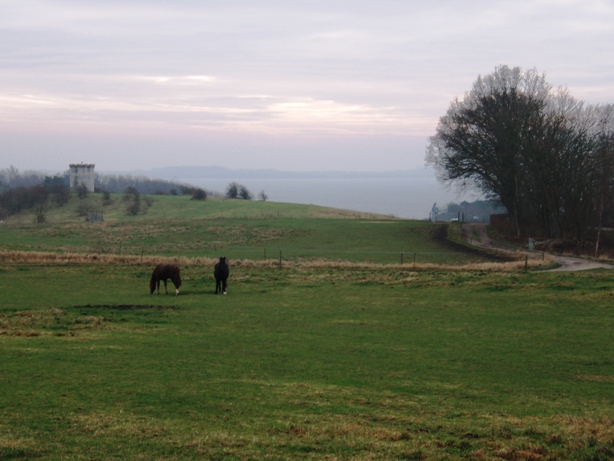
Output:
x,y
476,235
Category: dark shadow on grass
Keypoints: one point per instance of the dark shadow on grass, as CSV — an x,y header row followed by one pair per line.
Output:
x,y
126,307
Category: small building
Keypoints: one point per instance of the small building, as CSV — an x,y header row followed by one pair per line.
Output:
x,y
81,173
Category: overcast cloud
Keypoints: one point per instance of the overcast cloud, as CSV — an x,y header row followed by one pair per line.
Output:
x,y
291,85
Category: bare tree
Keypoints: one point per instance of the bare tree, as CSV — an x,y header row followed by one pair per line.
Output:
x,y
480,140
232,191
604,160
236,190
245,194
133,199
535,150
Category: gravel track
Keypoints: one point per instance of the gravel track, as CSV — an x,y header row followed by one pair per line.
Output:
x,y
476,235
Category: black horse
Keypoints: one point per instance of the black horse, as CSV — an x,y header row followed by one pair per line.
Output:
x,y
163,272
221,273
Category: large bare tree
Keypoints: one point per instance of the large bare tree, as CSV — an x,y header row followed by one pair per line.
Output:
x,y
542,154
481,140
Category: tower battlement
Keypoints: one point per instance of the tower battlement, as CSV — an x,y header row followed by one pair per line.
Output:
x,y
82,173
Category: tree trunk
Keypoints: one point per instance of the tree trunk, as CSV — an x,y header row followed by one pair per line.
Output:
x,y
599,228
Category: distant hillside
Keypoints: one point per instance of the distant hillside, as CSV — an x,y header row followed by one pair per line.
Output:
x,y
217,172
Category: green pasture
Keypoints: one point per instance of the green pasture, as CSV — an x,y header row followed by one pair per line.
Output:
x,y
182,207
305,364
238,229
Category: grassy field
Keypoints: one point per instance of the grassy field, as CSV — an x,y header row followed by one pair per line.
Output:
x,y
331,360
238,229
305,364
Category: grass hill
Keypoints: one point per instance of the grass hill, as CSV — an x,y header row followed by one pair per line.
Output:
x,y
176,226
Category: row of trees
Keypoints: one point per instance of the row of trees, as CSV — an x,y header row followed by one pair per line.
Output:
x,y
11,178
146,186
545,156
16,199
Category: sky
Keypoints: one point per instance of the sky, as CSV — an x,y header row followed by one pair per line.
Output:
x,y
305,85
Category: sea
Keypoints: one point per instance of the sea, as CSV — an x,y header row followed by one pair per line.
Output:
x,y
407,197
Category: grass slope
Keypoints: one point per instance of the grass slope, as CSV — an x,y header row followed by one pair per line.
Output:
x,y
178,226
300,364
183,207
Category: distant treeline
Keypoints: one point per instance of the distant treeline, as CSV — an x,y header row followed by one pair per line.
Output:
x,y
16,199
146,186
11,178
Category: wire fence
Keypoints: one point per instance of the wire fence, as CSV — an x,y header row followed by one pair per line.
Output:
x,y
403,257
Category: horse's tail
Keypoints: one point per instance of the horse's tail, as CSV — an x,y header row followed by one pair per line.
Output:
x,y
178,278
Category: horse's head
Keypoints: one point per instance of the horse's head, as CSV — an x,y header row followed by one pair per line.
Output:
x,y
223,260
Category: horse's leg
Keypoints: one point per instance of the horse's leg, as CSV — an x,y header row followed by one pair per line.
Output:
x,y
176,289
224,286
158,285
217,285
165,287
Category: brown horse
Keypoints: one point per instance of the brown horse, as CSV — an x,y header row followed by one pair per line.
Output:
x,y
163,272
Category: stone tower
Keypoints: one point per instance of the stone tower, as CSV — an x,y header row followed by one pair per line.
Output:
x,y
81,173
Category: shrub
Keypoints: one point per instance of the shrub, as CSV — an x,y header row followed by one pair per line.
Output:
x,y
82,191
85,208
106,197
134,208
41,215
199,194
